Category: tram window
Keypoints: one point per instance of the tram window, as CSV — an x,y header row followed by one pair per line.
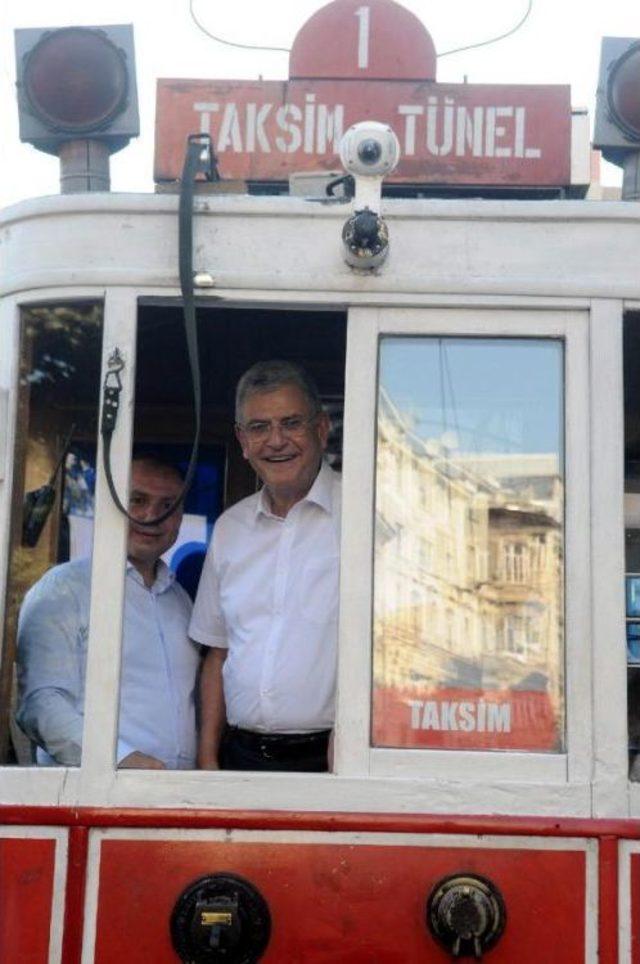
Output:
x,y
230,341
468,647
53,485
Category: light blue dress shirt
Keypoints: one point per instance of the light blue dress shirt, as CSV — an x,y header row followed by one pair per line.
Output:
x,y
159,666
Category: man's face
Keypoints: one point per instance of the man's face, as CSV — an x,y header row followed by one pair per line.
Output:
x,y
153,489
286,461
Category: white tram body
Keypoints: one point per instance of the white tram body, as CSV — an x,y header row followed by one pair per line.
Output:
x,y
345,860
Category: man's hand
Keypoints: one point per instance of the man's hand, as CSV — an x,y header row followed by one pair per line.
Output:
x,y
330,753
208,763
141,761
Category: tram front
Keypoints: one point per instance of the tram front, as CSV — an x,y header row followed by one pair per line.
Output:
x,y
478,379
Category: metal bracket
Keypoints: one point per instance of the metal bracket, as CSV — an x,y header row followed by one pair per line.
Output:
x,y
466,914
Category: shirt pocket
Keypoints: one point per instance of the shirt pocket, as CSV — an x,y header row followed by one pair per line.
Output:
x,y
319,587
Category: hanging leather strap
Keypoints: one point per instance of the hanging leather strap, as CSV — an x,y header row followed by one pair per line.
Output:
x,y
199,159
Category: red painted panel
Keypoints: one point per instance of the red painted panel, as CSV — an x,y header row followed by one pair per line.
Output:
x,y
635,908
379,39
26,892
74,895
449,133
334,903
608,901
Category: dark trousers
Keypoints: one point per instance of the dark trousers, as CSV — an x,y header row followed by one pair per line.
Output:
x,y
248,750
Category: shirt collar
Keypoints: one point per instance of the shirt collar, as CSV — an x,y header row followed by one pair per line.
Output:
x,y
319,493
164,577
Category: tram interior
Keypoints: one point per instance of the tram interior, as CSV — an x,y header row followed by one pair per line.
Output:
x,y
58,420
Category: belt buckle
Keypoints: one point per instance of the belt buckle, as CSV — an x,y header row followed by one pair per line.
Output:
x,y
264,752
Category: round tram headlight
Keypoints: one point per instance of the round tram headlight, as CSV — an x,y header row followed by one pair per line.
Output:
x,y
623,92
75,80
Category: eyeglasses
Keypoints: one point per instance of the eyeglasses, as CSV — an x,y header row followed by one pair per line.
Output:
x,y
290,426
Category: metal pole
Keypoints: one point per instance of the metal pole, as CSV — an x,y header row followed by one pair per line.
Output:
x,y
84,166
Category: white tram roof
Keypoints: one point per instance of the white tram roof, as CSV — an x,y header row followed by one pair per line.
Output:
x,y
286,244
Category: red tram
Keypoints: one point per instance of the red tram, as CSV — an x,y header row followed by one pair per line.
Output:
x,y
477,356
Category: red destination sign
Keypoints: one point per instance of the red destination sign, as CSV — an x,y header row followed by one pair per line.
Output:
x,y
352,62
449,133
465,719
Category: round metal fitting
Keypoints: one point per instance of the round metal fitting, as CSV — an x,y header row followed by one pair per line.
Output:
x,y
370,151
466,914
623,91
220,919
366,239
76,80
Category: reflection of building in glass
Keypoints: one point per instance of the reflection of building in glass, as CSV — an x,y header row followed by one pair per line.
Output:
x,y
468,566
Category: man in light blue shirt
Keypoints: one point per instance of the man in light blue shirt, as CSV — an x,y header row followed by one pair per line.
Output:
x,y
159,663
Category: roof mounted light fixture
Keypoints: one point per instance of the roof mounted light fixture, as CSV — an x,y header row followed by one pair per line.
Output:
x,y
617,121
77,97
623,91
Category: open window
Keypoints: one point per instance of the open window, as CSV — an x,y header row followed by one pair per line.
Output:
x,y
230,341
61,348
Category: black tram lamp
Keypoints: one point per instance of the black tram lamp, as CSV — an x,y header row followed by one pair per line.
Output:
x,y
617,123
77,98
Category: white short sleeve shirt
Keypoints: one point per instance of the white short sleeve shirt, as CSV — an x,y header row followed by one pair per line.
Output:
x,y
269,594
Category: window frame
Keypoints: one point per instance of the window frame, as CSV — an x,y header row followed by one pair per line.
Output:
x,y
591,779
366,326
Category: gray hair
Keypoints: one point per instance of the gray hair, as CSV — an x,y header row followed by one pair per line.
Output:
x,y
267,376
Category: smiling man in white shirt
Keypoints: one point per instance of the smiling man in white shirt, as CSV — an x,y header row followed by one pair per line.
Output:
x,y
267,605
159,663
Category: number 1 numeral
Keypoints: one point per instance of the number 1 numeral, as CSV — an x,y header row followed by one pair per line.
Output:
x,y
363,15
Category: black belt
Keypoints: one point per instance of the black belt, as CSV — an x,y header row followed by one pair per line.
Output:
x,y
274,745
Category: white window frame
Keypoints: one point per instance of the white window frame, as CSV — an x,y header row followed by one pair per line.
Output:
x,y
22,785
572,768
590,780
